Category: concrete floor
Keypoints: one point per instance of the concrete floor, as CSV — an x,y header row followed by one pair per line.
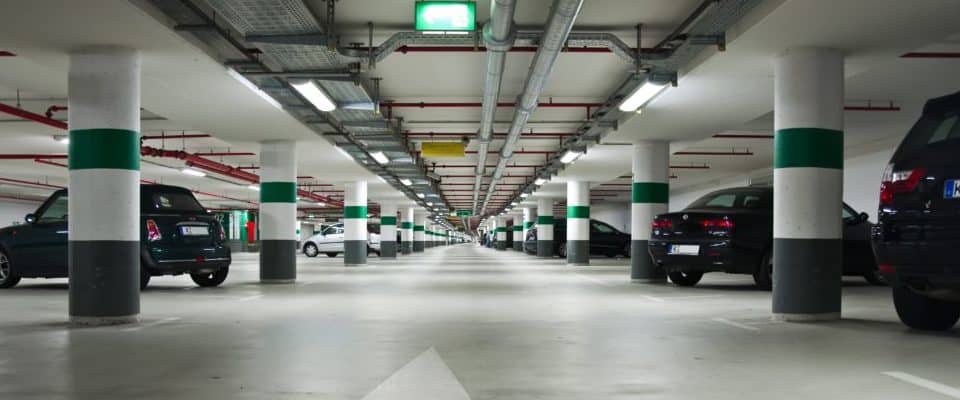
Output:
x,y
466,322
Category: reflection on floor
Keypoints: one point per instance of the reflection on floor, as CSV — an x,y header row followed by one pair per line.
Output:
x,y
464,322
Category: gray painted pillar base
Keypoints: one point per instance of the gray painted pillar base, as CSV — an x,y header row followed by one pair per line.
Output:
x,y
545,248
354,252
578,252
418,246
642,267
406,247
500,245
807,279
518,246
278,261
104,281
388,249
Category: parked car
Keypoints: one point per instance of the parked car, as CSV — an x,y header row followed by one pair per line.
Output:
x,y
918,229
731,231
605,240
178,236
330,241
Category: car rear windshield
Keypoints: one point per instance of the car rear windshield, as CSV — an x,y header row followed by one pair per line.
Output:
x,y
933,130
751,199
171,201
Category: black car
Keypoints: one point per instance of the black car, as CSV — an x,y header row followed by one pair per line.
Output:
x,y
731,231
605,240
918,229
177,236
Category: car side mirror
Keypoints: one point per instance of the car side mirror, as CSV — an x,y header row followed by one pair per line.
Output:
x,y
30,218
863,217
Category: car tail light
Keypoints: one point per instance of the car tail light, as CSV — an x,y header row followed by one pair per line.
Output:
x,y
897,182
717,224
886,269
153,231
662,224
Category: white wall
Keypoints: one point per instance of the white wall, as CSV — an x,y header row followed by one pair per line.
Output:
x,y
617,214
681,198
12,211
861,181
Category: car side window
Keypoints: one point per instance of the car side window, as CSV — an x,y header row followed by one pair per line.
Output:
x,y
56,211
947,129
724,200
331,230
848,214
602,228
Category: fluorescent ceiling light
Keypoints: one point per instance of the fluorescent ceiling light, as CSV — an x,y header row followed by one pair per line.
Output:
x,y
641,96
379,157
513,204
315,95
320,204
192,172
253,88
539,181
254,187
62,139
420,195
570,156
524,195
406,182
429,203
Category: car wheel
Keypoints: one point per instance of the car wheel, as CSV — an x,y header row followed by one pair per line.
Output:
x,y
685,278
924,313
763,276
144,277
211,279
562,250
7,277
331,254
310,250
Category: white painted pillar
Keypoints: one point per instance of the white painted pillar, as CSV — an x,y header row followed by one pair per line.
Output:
x,y
578,223
355,232
388,230
517,232
650,195
419,232
406,231
278,212
545,245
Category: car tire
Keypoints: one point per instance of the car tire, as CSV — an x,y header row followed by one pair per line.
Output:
x,y
875,278
7,278
685,278
311,250
763,276
211,279
562,250
144,277
331,254
924,313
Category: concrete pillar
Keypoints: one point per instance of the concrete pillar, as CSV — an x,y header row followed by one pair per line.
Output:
x,y
355,223
388,230
419,232
651,191
529,215
500,230
545,228
278,212
578,223
406,231
103,219
808,185
518,232
428,235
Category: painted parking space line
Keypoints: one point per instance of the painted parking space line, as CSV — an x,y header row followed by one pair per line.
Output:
x,y
593,280
735,324
250,298
655,299
152,324
925,383
672,298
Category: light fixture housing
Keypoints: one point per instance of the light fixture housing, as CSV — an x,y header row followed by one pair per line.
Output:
x,y
570,156
315,95
193,172
379,157
539,181
421,195
253,88
406,182
524,195
254,187
642,95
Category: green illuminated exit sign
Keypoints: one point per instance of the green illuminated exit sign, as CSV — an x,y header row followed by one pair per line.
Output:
x,y
445,15
464,213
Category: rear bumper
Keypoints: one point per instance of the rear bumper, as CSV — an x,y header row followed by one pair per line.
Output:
x,y
163,261
924,266
714,256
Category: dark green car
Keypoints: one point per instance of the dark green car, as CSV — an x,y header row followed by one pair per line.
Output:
x,y
177,236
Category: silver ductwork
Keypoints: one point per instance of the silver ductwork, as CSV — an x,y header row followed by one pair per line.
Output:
x,y
498,35
559,24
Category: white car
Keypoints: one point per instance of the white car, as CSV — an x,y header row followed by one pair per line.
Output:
x,y
330,241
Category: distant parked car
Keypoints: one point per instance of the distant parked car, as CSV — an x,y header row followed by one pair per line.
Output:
x,y
605,240
330,241
177,236
917,236
731,231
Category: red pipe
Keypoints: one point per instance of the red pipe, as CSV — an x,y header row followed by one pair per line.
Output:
x,y
222,154
22,182
53,109
478,105
931,55
21,198
18,112
48,162
32,156
157,137
4,53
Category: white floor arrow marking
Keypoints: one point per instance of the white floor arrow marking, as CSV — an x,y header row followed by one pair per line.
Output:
x,y
925,383
427,377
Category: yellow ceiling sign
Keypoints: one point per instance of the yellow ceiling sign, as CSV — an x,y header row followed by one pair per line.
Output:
x,y
443,149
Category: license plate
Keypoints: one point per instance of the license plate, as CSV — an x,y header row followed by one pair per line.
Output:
x,y
684,249
194,230
951,189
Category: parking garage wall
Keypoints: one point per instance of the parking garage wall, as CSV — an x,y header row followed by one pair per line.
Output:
x,y
12,212
617,214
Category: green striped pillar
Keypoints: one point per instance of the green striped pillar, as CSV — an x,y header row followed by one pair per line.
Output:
x,y
501,232
807,185
355,223
578,223
545,246
419,232
529,221
278,212
388,230
649,196
406,231
103,219
517,232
